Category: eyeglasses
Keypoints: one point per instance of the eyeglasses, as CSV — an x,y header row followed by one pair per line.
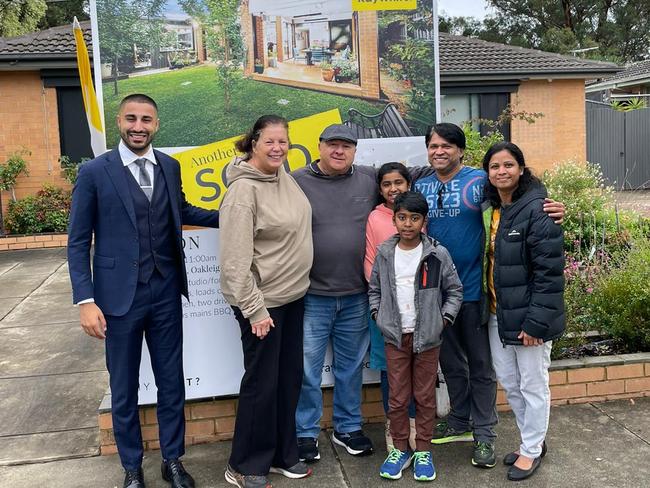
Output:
x,y
441,192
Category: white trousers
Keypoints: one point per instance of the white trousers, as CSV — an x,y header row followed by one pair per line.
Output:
x,y
523,373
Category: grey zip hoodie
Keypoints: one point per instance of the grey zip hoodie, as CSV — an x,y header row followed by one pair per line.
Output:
x,y
265,240
438,294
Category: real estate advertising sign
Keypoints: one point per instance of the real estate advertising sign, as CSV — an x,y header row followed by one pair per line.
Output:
x,y
214,71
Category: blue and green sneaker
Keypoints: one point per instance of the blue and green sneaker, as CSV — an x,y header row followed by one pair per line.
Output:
x,y
423,468
396,462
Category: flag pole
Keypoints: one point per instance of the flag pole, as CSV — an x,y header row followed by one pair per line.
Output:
x,y
436,60
91,107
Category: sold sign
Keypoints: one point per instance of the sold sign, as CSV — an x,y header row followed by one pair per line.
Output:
x,y
359,5
203,169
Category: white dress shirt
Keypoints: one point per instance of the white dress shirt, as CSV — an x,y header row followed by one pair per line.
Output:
x,y
128,157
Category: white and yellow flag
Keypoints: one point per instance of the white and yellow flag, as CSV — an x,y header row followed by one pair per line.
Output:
x,y
97,137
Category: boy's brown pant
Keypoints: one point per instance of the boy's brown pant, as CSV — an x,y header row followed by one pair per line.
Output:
x,y
411,375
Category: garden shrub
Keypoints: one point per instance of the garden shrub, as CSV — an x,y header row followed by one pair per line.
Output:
x,y
580,186
601,248
70,168
476,145
621,301
47,211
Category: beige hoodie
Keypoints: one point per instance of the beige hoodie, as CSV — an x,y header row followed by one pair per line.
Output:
x,y
265,240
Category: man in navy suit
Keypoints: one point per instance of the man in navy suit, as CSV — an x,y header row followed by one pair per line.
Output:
x,y
131,200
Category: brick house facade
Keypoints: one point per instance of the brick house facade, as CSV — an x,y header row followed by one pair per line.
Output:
x,y
41,108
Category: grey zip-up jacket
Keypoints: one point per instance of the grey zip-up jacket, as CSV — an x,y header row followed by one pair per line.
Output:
x,y
438,294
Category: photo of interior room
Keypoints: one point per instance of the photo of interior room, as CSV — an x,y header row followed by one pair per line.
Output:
x,y
321,45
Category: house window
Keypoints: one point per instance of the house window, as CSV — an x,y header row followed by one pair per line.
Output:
x,y
459,109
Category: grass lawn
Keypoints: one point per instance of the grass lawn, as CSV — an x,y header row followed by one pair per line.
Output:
x,y
191,114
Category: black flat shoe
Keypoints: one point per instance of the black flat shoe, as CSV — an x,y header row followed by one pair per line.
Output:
x,y
518,474
511,458
133,478
174,472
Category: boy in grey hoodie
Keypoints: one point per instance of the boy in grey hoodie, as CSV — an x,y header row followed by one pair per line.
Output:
x,y
414,293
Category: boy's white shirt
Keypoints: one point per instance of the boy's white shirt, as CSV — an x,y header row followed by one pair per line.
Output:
x,y
406,266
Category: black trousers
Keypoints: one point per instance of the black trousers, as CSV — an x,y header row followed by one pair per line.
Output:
x,y
466,362
156,315
265,429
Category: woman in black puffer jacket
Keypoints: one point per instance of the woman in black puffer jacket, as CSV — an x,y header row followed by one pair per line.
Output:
x,y
525,285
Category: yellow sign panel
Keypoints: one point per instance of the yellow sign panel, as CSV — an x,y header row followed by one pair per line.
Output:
x,y
359,5
203,169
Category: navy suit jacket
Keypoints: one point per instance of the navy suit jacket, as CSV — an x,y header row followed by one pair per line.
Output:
x,y
102,205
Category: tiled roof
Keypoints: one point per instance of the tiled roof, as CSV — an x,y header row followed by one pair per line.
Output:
x,y
638,71
468,56
57,42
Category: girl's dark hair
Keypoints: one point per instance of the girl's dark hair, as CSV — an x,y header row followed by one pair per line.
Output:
x,y
526,180
245,144
412,201
393,167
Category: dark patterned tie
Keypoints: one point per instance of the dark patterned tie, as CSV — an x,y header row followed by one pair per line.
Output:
x,y
144,180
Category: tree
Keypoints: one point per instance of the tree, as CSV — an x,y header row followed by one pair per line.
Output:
x,y
11,170
62,12
461,26
9,173
619,28
225,44
123,24
19,17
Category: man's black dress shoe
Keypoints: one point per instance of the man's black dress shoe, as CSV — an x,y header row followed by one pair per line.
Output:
x,y
174,472
133,478
518,474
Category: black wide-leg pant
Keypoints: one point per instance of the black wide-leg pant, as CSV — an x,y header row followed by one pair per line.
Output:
x,y
265,429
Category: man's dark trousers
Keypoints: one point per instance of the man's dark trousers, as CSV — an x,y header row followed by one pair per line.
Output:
x,y
156,313
466,362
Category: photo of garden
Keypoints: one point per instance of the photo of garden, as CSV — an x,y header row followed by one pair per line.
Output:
x,y
214,66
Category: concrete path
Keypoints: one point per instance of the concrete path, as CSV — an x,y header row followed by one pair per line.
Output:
x,y
52,376
52,379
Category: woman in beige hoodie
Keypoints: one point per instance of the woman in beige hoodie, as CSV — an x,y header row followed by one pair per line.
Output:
x,y
266,255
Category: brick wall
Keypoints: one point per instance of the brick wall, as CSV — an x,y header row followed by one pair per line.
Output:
x,y
561,133
572,381
12,243
595,379
260,44
368,54
214,420
29,119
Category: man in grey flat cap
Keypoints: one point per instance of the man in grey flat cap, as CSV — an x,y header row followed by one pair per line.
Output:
x,y
342,195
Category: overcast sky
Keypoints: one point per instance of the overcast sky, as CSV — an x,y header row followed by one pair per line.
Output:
x,y
466,8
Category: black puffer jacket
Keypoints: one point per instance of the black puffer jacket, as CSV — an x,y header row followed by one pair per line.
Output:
x,y
529,270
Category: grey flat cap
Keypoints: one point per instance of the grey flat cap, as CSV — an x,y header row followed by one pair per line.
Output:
x,y
338,132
